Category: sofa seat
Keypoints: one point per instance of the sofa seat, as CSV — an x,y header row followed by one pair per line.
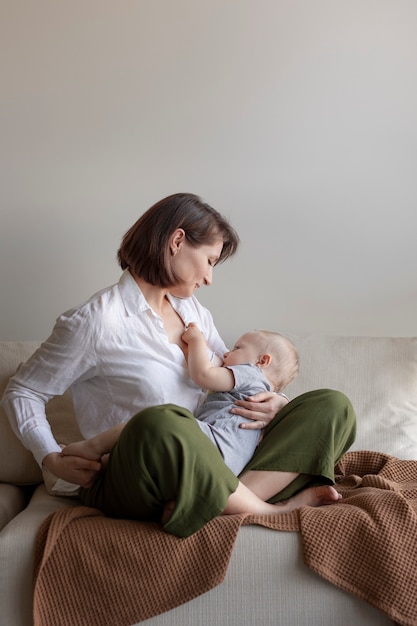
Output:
x,y
275,589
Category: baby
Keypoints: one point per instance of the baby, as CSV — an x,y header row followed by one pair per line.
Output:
x,y
259,361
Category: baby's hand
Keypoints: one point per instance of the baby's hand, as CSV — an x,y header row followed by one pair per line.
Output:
x,y
191,332
85,449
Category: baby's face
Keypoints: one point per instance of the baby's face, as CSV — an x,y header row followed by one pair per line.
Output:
x,y
245,350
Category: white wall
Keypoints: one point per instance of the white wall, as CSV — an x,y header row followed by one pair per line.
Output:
x,y
295,118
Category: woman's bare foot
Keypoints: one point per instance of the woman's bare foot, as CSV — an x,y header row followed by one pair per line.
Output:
x,y
312,496
167,512
243,500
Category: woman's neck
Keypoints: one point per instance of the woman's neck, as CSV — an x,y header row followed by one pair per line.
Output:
x,y
157,298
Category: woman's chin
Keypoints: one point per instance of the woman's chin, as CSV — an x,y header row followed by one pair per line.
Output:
x,y
183,292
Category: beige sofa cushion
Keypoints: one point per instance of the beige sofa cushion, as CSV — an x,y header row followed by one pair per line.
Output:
x,y
17,465
378,374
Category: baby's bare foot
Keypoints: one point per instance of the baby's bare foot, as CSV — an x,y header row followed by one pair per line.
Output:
x,y
86,449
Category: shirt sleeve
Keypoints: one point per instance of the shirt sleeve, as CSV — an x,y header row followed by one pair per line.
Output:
x,y
249,379
66,356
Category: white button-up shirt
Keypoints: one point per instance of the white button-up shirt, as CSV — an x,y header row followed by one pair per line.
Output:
x,y
114,354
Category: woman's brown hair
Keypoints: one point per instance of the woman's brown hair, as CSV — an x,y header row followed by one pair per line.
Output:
x,y
145,246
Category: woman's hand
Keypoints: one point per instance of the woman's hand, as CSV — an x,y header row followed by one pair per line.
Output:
x,y
261,408
73,469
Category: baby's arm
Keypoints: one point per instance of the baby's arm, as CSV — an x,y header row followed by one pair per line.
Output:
x,y
95,447
202,371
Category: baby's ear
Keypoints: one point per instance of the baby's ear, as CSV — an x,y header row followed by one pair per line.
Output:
x,y
264,360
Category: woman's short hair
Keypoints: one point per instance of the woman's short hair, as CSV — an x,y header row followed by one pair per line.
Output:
x,y
145,246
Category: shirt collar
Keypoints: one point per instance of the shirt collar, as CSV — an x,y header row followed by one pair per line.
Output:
x,y
135,301
132,297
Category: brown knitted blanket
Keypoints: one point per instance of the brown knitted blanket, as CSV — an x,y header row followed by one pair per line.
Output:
x,y
95,571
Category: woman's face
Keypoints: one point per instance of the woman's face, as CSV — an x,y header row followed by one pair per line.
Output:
x,y
192,266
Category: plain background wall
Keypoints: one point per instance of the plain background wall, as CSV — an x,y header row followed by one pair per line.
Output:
x,y
297,119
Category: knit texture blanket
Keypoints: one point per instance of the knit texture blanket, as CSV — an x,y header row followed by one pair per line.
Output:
x,y
94,571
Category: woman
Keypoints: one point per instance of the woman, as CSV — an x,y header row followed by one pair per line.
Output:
x,y
121,353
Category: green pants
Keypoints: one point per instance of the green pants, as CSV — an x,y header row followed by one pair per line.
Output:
x,y
163,455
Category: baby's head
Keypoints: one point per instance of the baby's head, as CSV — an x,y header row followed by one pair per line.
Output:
x,y
272,352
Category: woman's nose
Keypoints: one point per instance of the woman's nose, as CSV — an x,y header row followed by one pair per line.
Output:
x,y
208,278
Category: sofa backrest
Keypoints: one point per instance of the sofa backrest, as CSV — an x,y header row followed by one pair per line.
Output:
x,y
378,374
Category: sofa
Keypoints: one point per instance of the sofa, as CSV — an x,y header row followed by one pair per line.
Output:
x,y
267,581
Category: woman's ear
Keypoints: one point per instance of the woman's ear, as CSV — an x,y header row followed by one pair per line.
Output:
x,y
177,238
264,360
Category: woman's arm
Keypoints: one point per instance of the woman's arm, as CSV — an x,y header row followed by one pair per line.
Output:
x,y
202,371
64,357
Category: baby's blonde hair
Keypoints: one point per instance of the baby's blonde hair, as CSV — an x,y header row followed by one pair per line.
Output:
x,y
285,361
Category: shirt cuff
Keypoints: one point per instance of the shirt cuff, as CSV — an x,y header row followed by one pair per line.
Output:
x,y
41,442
